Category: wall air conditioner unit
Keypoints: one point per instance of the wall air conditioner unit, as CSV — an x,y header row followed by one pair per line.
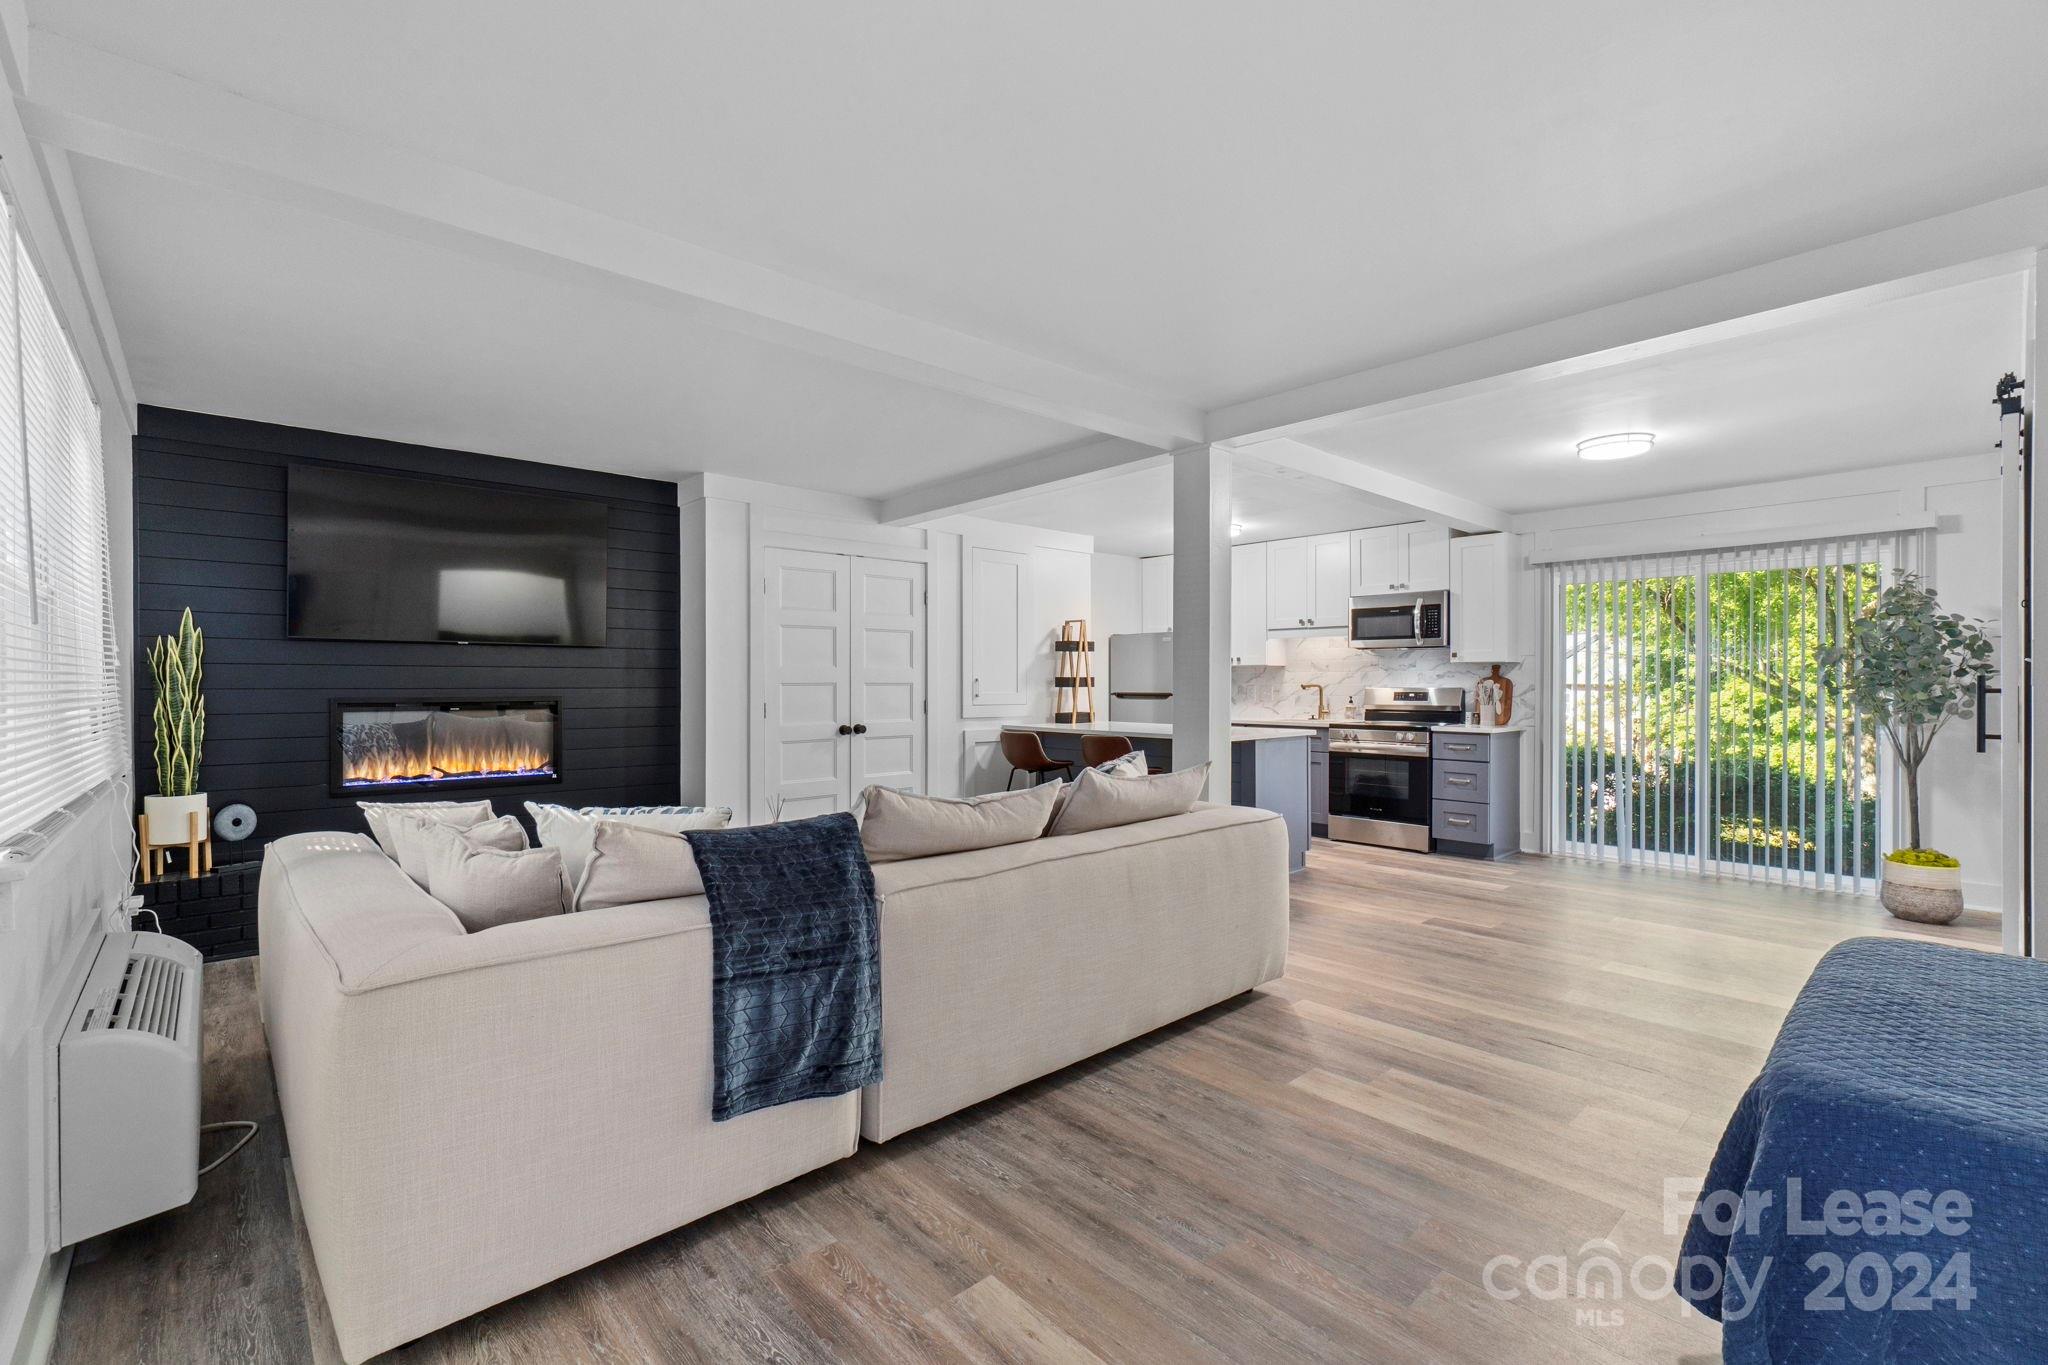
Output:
x,y
128,1087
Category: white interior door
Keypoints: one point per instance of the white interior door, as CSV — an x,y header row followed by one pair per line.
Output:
x,y
888,672
810,669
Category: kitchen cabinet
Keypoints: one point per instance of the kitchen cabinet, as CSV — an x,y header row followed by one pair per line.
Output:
x,y
1483,577
1476,792
1319,784
1247,604
996,614
1411,556
1308,583
1155,593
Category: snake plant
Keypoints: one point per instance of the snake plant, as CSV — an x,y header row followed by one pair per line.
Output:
x,y
180,715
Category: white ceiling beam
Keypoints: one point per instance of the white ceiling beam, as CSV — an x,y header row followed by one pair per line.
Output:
x,y
96,104
1069,468
1936,253
1428,501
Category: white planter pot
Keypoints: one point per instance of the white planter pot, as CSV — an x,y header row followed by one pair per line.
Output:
x,y
1924,895
170,818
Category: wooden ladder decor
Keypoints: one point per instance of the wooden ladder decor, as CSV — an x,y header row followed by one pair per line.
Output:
x,y
1073,673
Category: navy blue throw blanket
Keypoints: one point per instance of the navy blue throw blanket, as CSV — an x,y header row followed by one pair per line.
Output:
x,y
1881,1193
796,964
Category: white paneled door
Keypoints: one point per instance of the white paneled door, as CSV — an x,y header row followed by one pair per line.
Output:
x,y
888,674
845,687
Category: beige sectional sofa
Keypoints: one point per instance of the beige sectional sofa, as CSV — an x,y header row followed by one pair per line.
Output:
x,y
472,1115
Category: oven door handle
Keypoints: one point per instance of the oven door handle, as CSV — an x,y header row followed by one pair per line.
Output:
x,y
1375,751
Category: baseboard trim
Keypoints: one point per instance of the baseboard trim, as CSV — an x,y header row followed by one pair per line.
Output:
x,y
39,1327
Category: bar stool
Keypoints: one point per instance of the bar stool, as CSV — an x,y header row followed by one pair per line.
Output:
x,y
1097,750
1027,755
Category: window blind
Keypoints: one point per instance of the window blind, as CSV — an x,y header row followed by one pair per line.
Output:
x,y
60,704
1695,723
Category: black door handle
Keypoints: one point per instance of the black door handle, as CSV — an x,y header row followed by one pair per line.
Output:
x,y
860,729
846,729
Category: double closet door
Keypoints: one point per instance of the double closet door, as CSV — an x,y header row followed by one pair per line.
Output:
x,y
845,703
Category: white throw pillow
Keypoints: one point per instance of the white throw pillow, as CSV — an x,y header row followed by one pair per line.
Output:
x,y
486,885
1103,802
630,863
461,814
1132,764
571,828
900,825
414,836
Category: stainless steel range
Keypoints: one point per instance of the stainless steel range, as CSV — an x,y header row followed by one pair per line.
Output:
x,y
1379,765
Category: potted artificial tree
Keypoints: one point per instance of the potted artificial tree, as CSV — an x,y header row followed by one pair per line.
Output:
x,y
179,730
1912,668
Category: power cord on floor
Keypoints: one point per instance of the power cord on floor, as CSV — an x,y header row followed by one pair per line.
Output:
x,y
241,1142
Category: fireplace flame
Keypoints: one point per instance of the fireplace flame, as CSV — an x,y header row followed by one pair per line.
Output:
x,y
445,760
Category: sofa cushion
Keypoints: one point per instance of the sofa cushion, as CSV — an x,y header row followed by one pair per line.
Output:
x,y
487,885
631,863
459,813
1101,801
570,828
414,836
899,825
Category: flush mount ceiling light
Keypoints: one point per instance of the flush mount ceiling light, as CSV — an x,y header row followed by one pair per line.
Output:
x,y
1622,445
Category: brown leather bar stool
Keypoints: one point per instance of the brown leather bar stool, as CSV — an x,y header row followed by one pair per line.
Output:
x,y
1097,750
1027,755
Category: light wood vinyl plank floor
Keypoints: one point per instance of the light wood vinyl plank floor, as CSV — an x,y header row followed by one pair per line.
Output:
x,y
1463,1061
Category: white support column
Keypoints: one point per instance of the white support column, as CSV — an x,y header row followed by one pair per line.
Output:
x,y
1201,613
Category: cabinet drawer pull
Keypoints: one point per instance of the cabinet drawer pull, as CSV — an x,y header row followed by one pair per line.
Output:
x,y
1461,821
1457,780
1457,748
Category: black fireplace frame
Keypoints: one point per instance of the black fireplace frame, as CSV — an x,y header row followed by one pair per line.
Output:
x,y
336,706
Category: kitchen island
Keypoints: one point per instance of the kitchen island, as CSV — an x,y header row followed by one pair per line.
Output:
x,y
1269,765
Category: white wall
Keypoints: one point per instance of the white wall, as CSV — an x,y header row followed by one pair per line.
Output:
x,y
1961,807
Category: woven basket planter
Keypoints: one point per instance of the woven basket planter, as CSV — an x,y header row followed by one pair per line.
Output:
x,y
1924,895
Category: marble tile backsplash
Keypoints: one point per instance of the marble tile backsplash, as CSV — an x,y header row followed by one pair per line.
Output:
x,y
1274,692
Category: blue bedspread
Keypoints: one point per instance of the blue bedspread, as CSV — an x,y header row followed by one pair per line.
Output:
x,y
796,968
1909,1085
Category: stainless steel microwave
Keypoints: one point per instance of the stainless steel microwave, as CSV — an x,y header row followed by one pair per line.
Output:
x,y
1409,620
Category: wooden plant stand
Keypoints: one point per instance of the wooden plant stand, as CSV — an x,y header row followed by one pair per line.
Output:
x,y
198,848
1073,670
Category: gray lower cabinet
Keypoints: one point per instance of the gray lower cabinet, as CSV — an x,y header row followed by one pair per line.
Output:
x,y
1319,784
1475,793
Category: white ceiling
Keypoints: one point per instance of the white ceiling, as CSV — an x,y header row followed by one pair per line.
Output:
x,y
245,308
1204,202
1132,514
1905,380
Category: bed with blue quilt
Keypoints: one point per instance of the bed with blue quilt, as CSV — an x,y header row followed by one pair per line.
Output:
x,y
1881,1192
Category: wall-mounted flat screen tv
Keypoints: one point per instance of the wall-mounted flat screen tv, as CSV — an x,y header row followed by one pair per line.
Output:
x,y
386,557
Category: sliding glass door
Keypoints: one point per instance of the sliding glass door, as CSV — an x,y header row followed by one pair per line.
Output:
x,y
1693,724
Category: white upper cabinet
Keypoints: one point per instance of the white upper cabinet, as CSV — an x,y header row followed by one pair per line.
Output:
x,y
1483,615
1247,604
1290,584
1155,593
1332,581
997,606
1410,557
1308,582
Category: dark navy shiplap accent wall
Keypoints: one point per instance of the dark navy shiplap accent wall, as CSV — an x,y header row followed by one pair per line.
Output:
x,y
210,534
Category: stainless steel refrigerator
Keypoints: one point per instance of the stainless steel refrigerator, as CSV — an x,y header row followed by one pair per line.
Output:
x,y
1141,677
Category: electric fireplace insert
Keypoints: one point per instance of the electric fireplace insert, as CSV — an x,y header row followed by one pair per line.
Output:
x,y
427,746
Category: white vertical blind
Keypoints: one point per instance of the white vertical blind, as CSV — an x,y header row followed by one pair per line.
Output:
x,y
60,706
1692,721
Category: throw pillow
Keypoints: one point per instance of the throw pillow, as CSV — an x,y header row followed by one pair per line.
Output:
x,y
1132,764
901,825
461,814
570,828
487,885
413,835
1102,802
630,863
